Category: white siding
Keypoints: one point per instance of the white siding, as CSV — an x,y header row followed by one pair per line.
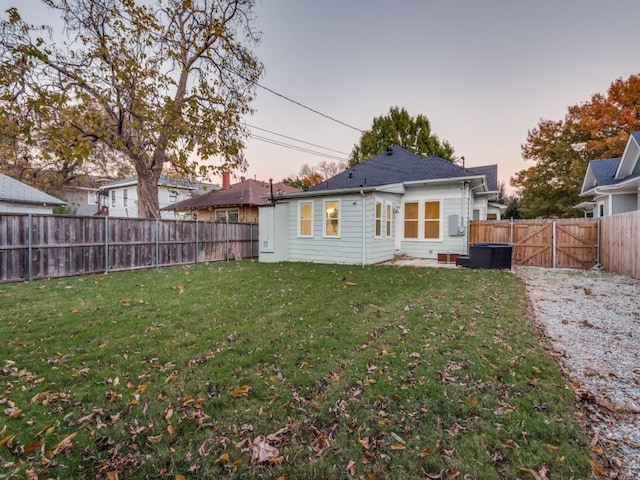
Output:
x,y
272,223
624,203
454,201
8,207
131,209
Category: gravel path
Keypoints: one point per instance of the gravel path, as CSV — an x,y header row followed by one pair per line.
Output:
x,y
592,323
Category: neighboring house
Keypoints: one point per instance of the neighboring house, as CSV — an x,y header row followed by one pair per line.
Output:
x,y
613,183
394,203
18,197
237,203
120,198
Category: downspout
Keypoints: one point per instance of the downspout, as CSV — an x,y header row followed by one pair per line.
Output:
x,y
364,219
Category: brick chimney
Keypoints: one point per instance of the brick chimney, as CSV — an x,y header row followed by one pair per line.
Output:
x,y
226,180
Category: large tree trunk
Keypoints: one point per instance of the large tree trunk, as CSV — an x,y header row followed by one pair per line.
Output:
x,y
148,205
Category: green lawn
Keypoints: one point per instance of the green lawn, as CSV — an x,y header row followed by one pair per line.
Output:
x,y
286,371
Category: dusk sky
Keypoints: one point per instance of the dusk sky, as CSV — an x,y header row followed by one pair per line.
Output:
x,y
483,72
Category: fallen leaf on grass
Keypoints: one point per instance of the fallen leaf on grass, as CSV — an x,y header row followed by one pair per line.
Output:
x,y
241,391
112,475
6,439
66,441
539,475
351,468
597,469
424,452
262,451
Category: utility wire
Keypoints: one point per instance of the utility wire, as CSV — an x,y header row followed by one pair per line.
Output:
x,y
296,139
298,148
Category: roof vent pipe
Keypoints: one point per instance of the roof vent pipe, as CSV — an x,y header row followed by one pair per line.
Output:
x,y
389,150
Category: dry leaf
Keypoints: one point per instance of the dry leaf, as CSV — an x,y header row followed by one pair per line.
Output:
x,y
597,469
241,391
113,475
66,441
351,468
424,452
398,446
261,451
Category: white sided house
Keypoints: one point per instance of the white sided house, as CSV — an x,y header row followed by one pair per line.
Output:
x,y
120,198
18,197
613,183
395,203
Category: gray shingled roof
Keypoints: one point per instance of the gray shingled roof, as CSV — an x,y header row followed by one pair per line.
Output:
x,y
397,165
604,170
247,192
13,191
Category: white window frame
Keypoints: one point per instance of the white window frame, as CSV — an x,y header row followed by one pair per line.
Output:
x,y
125,197
378,221
388,220
325,218
113,198
424,220
404,221
299,220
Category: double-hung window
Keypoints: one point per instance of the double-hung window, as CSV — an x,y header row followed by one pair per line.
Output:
x,y
411,220
331,218
389,211
378,222
305,219
432,220
125,197
113,198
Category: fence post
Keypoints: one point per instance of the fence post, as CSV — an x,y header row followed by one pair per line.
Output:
x,y
106,244
554,244
226,239
197,242
30,248
598,241
511,224
157,243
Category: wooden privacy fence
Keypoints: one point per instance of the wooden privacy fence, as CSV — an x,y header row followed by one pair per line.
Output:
x,y
550,243
42,246
620,243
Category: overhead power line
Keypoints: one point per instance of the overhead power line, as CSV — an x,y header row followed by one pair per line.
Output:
x,y
296,147
300,104
296,139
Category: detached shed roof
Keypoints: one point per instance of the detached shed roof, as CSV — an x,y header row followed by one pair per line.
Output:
x,y
397,165
14,191
247,192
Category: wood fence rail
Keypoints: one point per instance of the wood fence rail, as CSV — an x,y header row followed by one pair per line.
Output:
x,y
43,246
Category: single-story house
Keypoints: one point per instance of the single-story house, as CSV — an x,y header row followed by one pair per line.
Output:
x,y
395,203
120,198
613,183
18,197
234,203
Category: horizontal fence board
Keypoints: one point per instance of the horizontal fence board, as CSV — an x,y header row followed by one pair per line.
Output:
x,y
43,246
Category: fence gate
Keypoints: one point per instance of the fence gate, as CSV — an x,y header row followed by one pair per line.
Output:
x,y
560,243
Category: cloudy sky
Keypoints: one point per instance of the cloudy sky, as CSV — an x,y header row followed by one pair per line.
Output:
x,y
483,71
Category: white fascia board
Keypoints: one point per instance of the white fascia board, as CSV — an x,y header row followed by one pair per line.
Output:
x,y
454,180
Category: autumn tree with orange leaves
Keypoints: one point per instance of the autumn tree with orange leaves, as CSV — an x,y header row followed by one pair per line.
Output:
x,y
562,149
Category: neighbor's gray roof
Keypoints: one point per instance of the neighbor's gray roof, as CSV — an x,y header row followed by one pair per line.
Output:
x,y
247,192
12,190
398,166
605,170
